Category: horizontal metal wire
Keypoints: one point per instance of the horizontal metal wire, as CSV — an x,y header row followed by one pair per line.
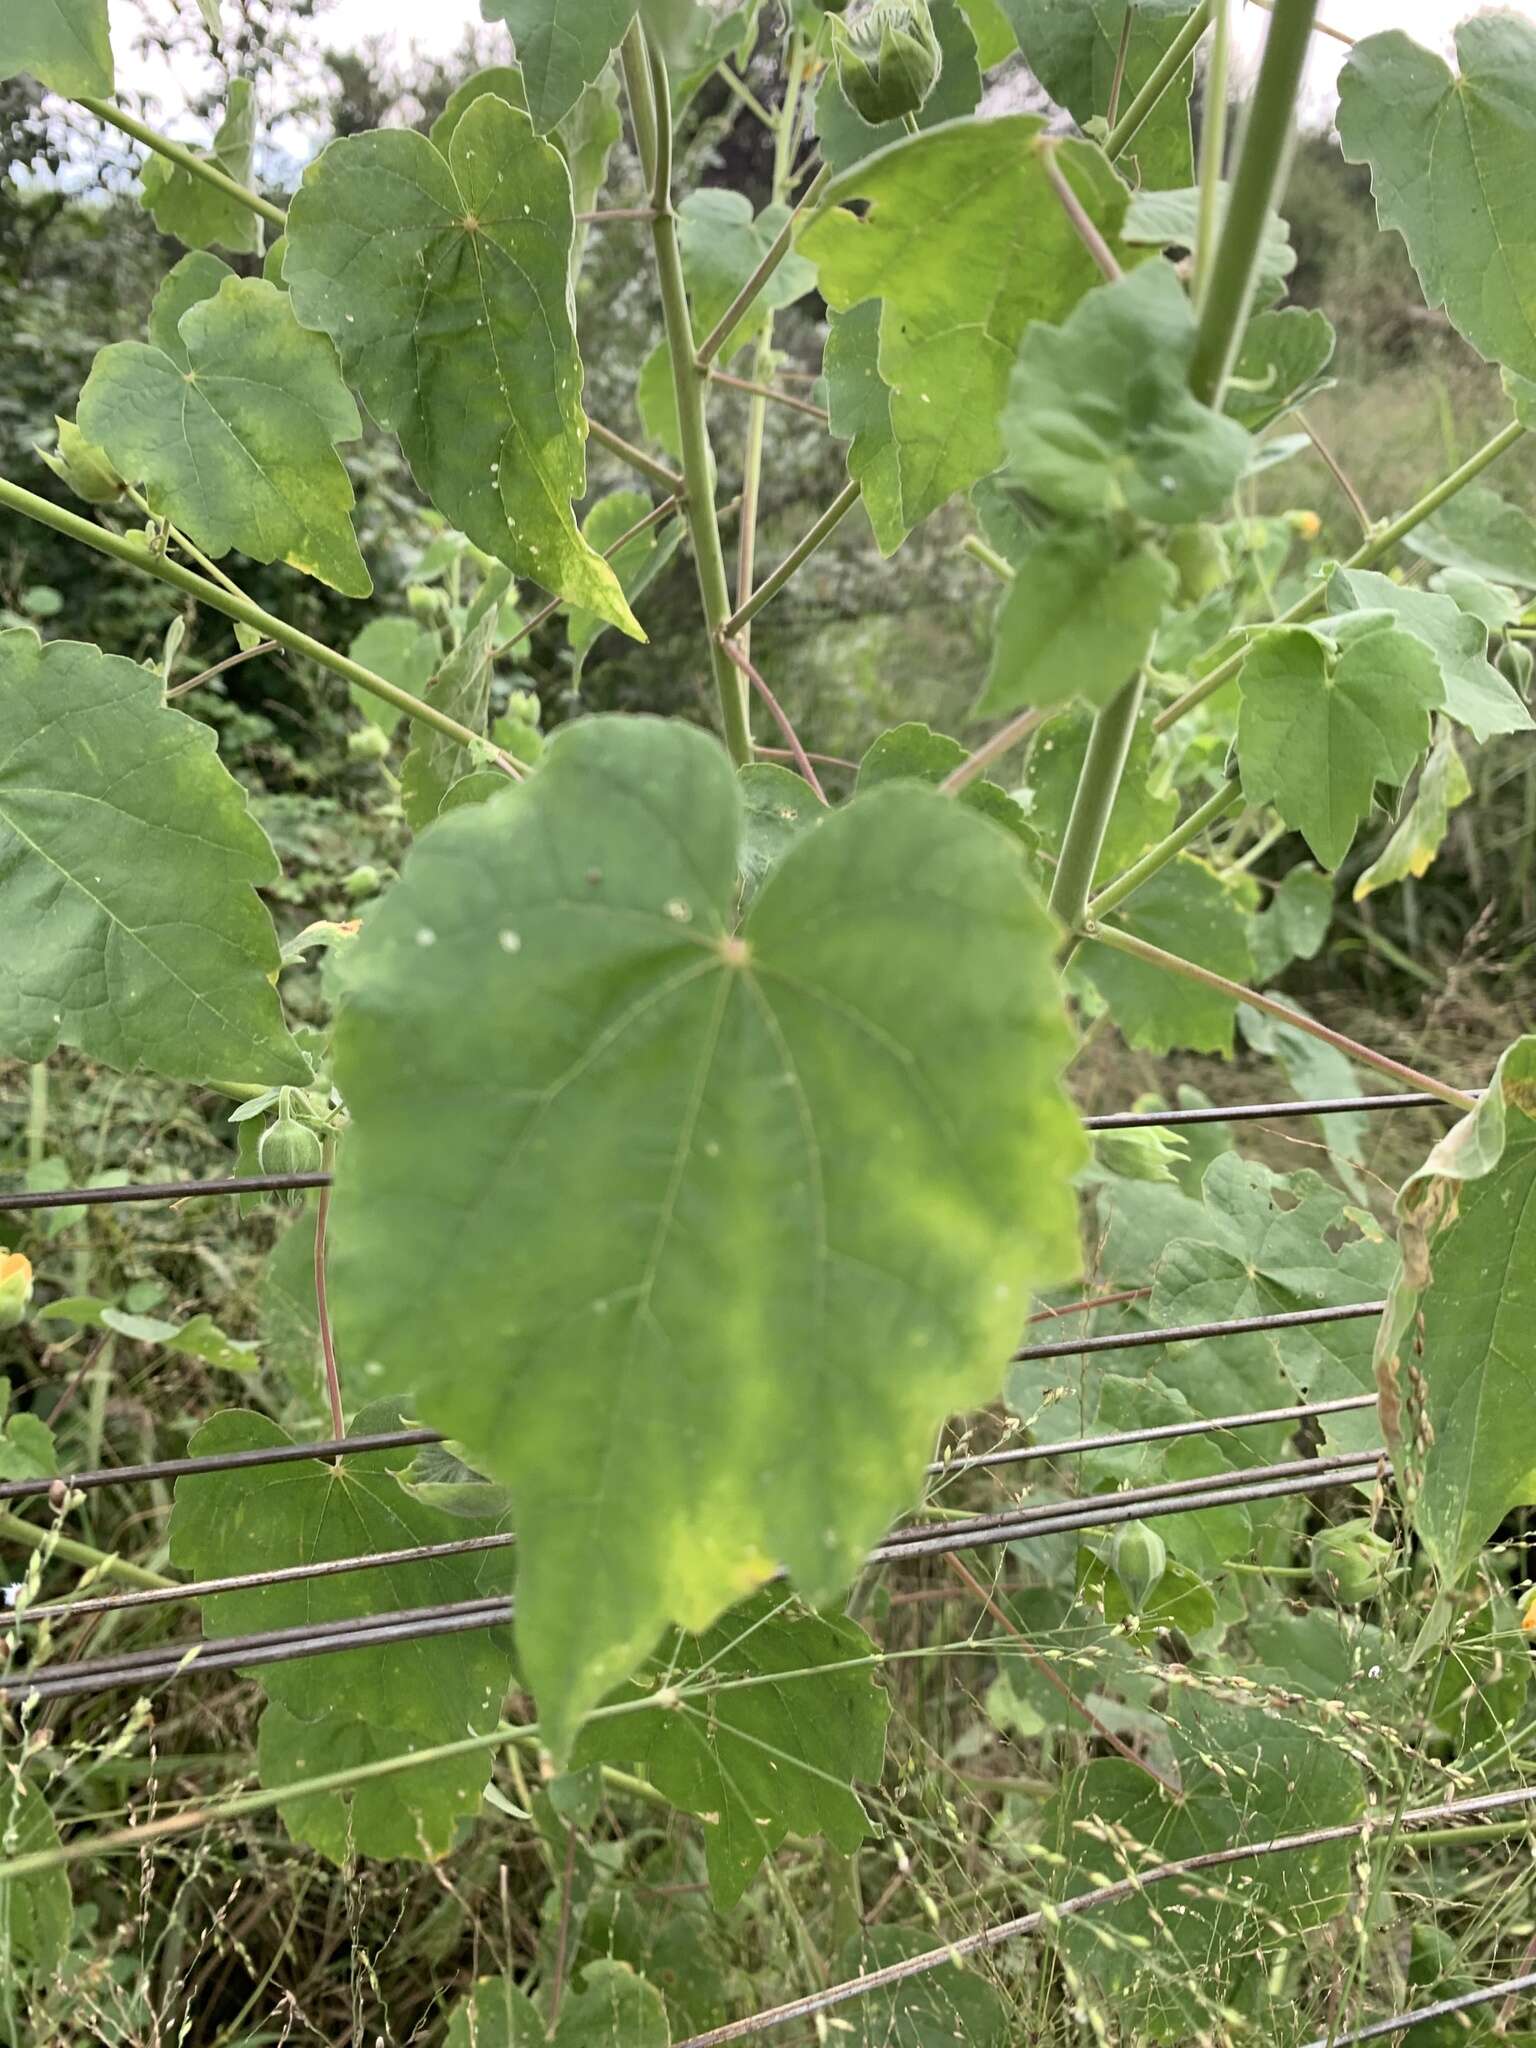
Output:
x,y
1122,1120
1163,1432
1177,1491
986,1939
1196,1333
335,1447
165,1661
1441,2009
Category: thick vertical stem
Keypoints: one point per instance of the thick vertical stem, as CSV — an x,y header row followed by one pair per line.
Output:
x,y
1213,148
1097,786
322,1303
650,106
1261,168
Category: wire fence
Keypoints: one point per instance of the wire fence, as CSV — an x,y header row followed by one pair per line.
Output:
x,y
1239,1486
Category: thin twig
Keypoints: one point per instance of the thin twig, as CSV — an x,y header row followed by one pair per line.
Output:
x,y
1084,228
546,612
563,1935
822,760
648,465
229,661
1339,474
756,390
605,213
801,758
1128,22
1013,734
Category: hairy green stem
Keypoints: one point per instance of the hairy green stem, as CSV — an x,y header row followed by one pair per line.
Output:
x,y
1366,556
187,159
1129,125
132,552
797,557
1213,146
1255,186
1097,787
73,1551
1188,970
650,107
1003,741
648,465
1227,798
746,298
1083,224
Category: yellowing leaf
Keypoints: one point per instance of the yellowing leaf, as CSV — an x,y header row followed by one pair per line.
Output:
x,y
1420,834
443,279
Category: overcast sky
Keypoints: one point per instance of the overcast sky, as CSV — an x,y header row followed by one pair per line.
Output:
x,y
439,26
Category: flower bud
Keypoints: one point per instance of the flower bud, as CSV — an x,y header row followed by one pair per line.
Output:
x,y
289,1147
363,881
367,743
889,61
1139,1557
15,1287
1351,1560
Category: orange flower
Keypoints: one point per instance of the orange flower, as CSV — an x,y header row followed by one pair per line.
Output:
x,y
15,1287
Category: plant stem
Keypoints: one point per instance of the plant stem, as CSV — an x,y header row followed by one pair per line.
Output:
x,y
801,758
1366,556
188,547
1338,472
235,660
546,612
648,465
974,546
1167,69
37,1115
1255,186
1227,798
745,94
1154,956
1213,147
188,160
1082,225
1127,23
1097,787
765,391
322,1304
136,556
651,111
1003,741
778,249
73,1551
798,555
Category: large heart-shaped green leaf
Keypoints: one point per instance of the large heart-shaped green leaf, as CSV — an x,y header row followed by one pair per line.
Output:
x,y
968,200
63,43
1321,726
773,1756
232,426
562,47
1456,1356
1453,167
1077,48
1475,694
1078,619
443,278
129,921
326,1713
690,1234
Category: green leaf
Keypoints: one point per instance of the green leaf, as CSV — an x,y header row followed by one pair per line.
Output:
x,y
723,242
1100,419
1079,617
1450,159
83,467
36,1913
1283,362
463,689
196,212
1456,1354
1188,909
966,200
777,807
1246,1775
1316,1072
1073,48
1421,831
1205,1539
595,1039
563,46
1295,924
62,43
859,412
1475,694
234,433
771,1759
1171,220
612,2006
1321,728
637,564
1144,811
198,1337
129,922
917,753
496,81
1479,531
992,30
1496,607
444,280
26,1443
939,2009
847,138
401,652
325,1713
586,138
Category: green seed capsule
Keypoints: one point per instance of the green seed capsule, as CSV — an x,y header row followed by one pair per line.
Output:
x,y
889,61
1139,1557
362,882
289,1147
1351,1560
367,743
